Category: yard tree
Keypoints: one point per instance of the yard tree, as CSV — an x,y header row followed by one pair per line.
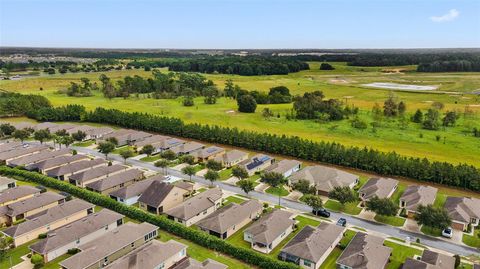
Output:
x,y
314,201
66,140
239,172
62,132
188,101
147,149
169,155
21,134
431,120
246,185
126,153
37,260
275,180
42,135
5,244
382,206
7,129
189,171
304,187
433,217
212,176
163,163
211,94
246,103
450,118
106,148
418,116
113,140
189,159
79,136
214,165
342,194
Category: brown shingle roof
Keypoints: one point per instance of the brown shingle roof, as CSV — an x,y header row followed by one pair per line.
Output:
x,y
270,226
430,260
231,156
35,202
10,145
324,178
74,167
115,180
17,192
152,140
365,251
19,152
416,195
157,192
194,264
187,147
463,209
40,156
283,166
97,172
56,161
196,204
207,152
380,187
133,190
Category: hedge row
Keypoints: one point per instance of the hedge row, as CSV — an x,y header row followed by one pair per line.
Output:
x,y
196,236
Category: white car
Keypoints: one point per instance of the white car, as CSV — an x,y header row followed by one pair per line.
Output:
x,y
448,232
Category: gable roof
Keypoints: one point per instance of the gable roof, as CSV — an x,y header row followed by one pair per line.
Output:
x,y
157,192
56,161
9,145
74,167
207,152
365,251
50,215
231,156
17,192
187,147
135,189
270,226
6,180
311,243
380,187
39,156
21,151
283,166
115,180
196,204
81,128
255,161
416,195
152,140
194,264
324,178
45,125
430,260
37,201
100,131
96,172
75,230
462,209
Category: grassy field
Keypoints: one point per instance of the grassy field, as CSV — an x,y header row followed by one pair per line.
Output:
x,y
344,83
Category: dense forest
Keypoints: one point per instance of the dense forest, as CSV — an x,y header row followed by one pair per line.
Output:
x,y
450,66
15,104
62,67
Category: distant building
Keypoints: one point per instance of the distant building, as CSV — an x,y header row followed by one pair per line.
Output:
x,y
209,153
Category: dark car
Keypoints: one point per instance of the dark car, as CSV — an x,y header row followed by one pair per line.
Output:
x,y
322,212
342,222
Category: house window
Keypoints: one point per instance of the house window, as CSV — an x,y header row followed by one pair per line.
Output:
x,y
283,234
105,260
182,253
121,200
307,263
132,244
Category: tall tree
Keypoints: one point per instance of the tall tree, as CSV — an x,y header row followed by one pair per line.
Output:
x,y
431,121
147,149
106,148
275,180
212,176
79,136
304,187
189,171
343,195
433,217
246,104
418,116
7,129
390,106
382,206
314,201
163,163
214,165
42,135
246,185
126,153
239,172
21,134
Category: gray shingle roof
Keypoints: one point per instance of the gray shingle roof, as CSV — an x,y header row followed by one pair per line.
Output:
x,y
187,147
6,180
365,251
39,156
37,201
115,180
16,193
463,209
196,204
430,260
416,195
152,140
74,167
207,152
324,178
231,156
156,193
194,264
54,162
7,146
19,152
270,226
97,172
379,187
283,166
135,189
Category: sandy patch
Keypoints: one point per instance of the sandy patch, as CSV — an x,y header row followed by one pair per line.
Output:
x,y
401,87
230,111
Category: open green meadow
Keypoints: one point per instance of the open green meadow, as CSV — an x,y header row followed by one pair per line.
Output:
x,y
456,144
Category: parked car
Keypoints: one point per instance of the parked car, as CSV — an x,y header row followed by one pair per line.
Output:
x,y
342,222
322,212
447,232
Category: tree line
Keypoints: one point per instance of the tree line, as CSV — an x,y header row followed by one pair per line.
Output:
x,y
451,66
384,163
62,67
15,104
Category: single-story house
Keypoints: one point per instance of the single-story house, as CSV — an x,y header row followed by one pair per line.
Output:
x,y
92,174
23,209
22,125
196,208
285,167
365,251
168,144
430,260
257,163
121,135
187,148
160,197
312,245
38,157
65,171
229,219
209,153
231,158
324,178
45,125
7,183
7,156
267,232
99,132
45,165
194,264
59,127
463,211
416,195
47,220
129,195
153,255
81,128
116,181
16,194
137,136
84,230
380,187
10,145
155,141
111,246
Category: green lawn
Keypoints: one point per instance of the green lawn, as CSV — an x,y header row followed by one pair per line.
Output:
x,y
225,174
201,190
390,220
120,149
473,241
277,191
398,193
431,231
16,254
400,253
151,158
330,262
233,199
253,179
349,208
440,200
84,144
55,263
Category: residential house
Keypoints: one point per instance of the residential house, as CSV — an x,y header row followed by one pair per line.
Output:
x,y
187,148
65,171
196,208
285,167
416,195
7,183
160,197
189,187
257,163
7,156
19,193
430,260
463,211
155,141
311,246
365,251
45,125
209,153
129,195
22,125
324,178
168,144
111,246
81,128
71,236
9,145
153,255
231,158
59,127
99,132
82,178
23,209
194,264
229,219
114,182
121,135
380,187
38,157
45,165
267,232
47,220
137,136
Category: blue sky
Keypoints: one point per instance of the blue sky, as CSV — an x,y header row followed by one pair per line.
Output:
x,y
240,24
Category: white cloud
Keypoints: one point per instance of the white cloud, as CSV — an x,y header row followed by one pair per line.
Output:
x,y
450,16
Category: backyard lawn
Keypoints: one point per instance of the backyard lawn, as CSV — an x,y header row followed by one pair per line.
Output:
x,y
398,193
54,264
120,149
16,254
440,200
473,241
400,253
391,220
349,208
